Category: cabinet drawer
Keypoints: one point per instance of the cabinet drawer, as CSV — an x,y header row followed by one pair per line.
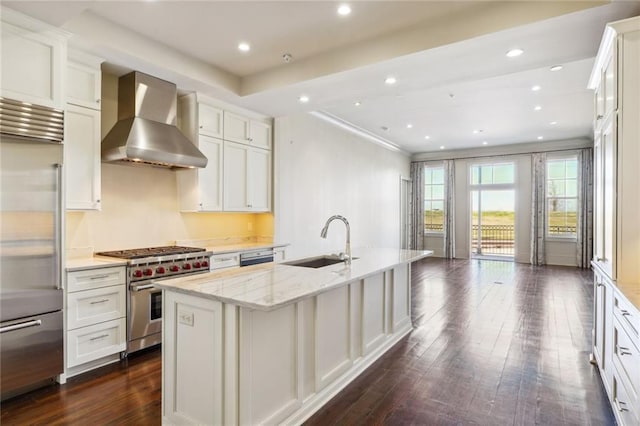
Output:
x,y
625,408
96,341
626,358
627,315
228,260
95,278
95,306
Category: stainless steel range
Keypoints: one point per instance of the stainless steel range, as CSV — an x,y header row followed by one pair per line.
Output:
x,y
144,301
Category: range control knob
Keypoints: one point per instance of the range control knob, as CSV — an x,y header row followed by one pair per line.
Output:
x,y
160,270
174,268
197,265
186,266
137,273
205,263
148,272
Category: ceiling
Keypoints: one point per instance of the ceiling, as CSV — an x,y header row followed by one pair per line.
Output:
x,y
448,58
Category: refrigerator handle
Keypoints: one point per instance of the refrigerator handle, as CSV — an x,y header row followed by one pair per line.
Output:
x,y
58,225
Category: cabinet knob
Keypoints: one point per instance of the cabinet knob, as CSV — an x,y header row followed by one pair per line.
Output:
x,y
249,139
98,201
599,117
623,351
201,127
249,205
97,101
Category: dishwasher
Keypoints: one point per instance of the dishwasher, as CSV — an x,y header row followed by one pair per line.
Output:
x,y
256,257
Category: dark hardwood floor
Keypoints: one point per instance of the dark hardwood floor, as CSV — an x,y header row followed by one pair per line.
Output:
x,y
495,343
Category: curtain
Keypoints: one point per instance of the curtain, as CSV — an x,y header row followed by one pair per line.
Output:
x,y
584,230
416,239
449,210
538,208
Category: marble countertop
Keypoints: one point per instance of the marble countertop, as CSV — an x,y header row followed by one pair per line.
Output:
x,y
93,263
234,248
269,286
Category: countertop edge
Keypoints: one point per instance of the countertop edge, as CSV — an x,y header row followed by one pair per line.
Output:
x,y
96,262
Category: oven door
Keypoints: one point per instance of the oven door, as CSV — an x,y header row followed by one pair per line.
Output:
x,y
145,310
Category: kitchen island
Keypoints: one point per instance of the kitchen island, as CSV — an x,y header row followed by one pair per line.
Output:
x,y
272,343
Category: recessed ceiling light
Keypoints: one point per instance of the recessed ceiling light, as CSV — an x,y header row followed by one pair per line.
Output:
x,y
553,123
536,88
537,108
409,126
484,142
475,132
556,68
304,99
540,138
441,146
427,137
344,10
357,103
390,80
514,52
244,47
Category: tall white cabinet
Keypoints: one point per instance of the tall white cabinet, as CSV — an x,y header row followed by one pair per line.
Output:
x,y
616,334
82,131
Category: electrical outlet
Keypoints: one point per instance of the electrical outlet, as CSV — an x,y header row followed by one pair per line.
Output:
x,y
185,318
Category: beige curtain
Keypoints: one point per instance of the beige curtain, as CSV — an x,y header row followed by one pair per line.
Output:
x,y
538,208
449,209
585,208
416,239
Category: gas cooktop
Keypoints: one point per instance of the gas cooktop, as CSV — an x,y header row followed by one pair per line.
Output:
x,y
140,253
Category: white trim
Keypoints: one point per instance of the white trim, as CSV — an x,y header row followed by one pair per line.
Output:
x,y
339,122
502,150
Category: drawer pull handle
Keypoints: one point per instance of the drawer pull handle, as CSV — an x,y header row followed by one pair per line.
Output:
x,y
621,406
20,326
99,301
102,336
99,277
625,312
623,351
223,260
600,285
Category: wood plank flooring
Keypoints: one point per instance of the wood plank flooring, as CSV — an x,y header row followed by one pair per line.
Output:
x,y
495,343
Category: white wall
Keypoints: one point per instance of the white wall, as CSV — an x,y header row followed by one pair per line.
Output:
x,y
322,170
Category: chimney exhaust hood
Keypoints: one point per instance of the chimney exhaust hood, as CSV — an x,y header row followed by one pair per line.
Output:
x,y
146,131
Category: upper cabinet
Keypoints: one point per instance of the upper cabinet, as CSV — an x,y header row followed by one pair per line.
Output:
x,y
82,132
616,81
241,129
33,60
238,148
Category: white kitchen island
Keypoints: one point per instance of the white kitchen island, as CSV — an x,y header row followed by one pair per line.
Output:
x,y
272,343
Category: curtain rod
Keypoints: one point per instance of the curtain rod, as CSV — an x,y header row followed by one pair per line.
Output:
x,y
502,155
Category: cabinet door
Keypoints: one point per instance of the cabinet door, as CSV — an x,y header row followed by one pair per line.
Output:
x,y
82,158
32,66
236,128
83,85
235,177
259,179
603,328
609,198
260,134
210,178
210,121
610,85
598,206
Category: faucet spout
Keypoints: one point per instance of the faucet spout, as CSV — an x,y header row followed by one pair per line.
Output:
x,y
324,231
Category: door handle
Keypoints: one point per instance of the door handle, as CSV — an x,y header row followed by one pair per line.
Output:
x,y
20,326
142,287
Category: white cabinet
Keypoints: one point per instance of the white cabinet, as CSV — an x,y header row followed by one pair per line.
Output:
x,y
247,178
616,339
95,323
241,129
82,132
210,120
225,260
82,158
279,254
201,189
33,60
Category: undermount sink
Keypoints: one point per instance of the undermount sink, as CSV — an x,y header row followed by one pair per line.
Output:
x,y
316,261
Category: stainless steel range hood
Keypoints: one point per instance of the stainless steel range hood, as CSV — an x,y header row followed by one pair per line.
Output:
x,y
146,131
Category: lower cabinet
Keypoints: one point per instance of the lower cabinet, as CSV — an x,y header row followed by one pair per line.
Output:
x,y
233,365
96,310
616,348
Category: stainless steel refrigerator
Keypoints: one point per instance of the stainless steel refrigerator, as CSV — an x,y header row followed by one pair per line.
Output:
x,y
31,211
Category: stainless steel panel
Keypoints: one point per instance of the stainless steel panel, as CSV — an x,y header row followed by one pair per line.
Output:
x,y
32,121
32,352
145,315
142,95
30,203
17,303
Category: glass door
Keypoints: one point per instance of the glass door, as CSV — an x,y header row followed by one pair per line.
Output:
x,y
492,193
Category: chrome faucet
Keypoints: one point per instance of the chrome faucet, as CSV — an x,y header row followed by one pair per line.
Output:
x,y
323,234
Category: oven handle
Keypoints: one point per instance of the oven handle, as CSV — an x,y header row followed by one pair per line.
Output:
x,y
141,287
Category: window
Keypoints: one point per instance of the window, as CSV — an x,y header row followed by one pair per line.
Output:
x,y
562,197
492,174
433,199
